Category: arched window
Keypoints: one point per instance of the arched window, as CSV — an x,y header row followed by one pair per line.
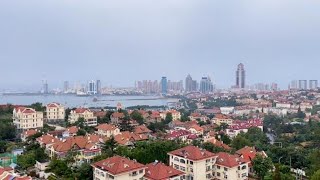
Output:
x,y
182,161
176,159
244,167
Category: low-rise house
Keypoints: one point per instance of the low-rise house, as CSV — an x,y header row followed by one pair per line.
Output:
x,y
8,174
118,168
28,133
115,117
86,114
27,118
160,171
176,115
222,119
243,126
249,153
231,167
198,117
182,135
55,112
70,131
107,130
47,141
195,162
142,129
227,110
127,138
218,143
85,148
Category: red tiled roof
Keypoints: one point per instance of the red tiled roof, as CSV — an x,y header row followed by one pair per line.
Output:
x,y
81,110
228,160
73,129
160,171
118,165
106,127
141,130
25,110
193,153
117,115
53,105
29,133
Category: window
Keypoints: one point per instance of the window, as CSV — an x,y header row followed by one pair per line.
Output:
x,y
176,159
208,168
225,169
182,168
208,160
244,175
176,166
244,167
218,174
226,176
134,173
182,161
141,171
191,162
218,167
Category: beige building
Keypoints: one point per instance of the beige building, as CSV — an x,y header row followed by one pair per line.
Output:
x,y
107,130
118,168
87,114
195,162
55,112
231,167
176,115
27,118
222,119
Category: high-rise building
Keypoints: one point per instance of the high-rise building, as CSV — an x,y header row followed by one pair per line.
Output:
x,y
294,84
191,85
206,85
148,86
98,88
313,84
303,84
274,86
175,86
240,76
45,88
164,85
92,87
65,86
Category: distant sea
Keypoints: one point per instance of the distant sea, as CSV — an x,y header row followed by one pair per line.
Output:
x,y
86,101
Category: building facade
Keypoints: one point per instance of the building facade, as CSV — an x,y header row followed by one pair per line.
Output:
x,y
27,118
240,76
55,112
86,114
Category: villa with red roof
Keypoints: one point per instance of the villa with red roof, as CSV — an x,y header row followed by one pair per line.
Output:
x,y
231,167
8,174
243,126
55,112
118,168
160,171
249,153
195,162
87,114
107,130
27,118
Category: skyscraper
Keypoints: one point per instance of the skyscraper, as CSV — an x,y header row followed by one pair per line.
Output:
x,y
303,84
206,85
240,76
191,85
164,85
98,88
313,84
45,87
92,87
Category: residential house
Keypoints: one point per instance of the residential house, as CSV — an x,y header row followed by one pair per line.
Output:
x,y
115,117
107,130
55,112
118,168
195,162
27,118
160,171
231,167
86,114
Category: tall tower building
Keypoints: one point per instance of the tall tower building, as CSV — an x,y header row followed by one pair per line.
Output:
x,y
240,76
92,87
45,87
164,85
303,84
98,88
191,85
313,84
206,85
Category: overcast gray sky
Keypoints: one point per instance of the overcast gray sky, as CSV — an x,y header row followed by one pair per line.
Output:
x,y
121,41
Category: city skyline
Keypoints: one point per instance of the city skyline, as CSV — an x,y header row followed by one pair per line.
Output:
x,y
201,40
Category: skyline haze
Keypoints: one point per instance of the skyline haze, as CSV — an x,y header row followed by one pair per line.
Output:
x,y
120,42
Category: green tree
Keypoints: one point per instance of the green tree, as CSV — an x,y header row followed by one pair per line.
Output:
x,y
239,142
276,173
110,146
135,115
316,175
168,118
81,132
262,166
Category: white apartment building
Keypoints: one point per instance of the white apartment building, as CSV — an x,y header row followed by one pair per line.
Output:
x,y
55,112
196,163
87,114
107,130
176,115
231,167
27,118
118,168
227,110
